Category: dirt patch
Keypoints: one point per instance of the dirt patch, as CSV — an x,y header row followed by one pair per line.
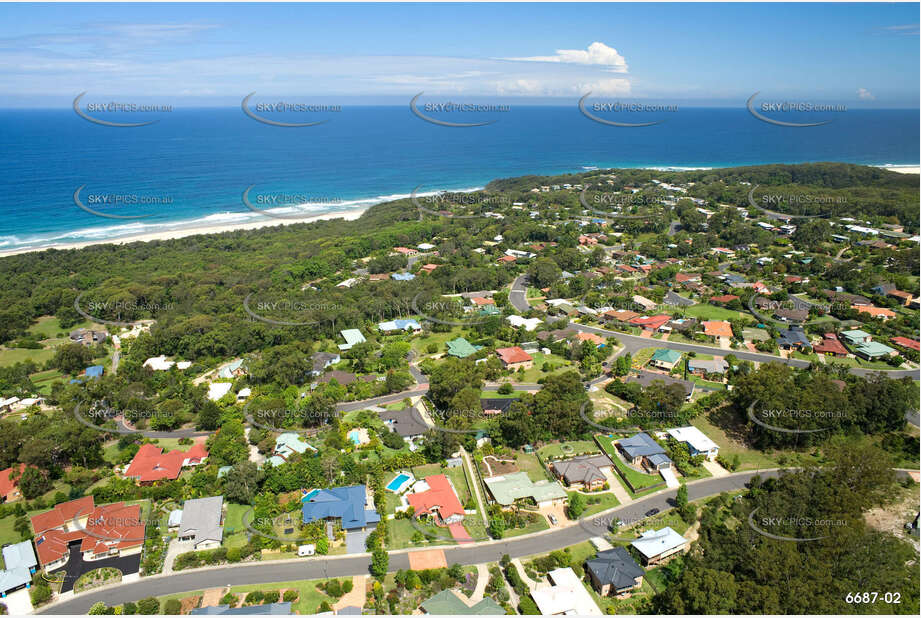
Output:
x,y
427,559
892,517
212,597
498,467
190,603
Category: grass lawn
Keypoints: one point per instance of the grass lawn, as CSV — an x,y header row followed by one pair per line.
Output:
x,y
420,343
7,533
534,374
629,605
705,383
706,311
234,530
656,578
607,500
420,472
309,598
537,526
859,362
529,463
11,356
568,449
642,357
458,477
497,395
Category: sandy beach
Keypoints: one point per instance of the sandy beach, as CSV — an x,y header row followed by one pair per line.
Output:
x,y
348,215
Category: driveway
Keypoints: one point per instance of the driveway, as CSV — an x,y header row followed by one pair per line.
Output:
x,y
714,468
18,603
355,541
77,566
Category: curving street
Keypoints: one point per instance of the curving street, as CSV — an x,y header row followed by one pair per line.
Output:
x,y
318,568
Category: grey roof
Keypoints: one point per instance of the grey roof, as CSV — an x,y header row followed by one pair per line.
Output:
x,y
407,422
350,610
282,608
640,445
19,555
615,567
792,337
646,378
201,518
585,469
322,359
717,365
677,300
657,459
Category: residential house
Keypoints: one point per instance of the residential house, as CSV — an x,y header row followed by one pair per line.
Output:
x,y
280,608
151,463
406,422
873,349
405,251
646,378
102,531
793,338
905,342
402,276
676,300
352,337
704,367
718,330
20,564
652,322
453,603
566,596
395,325
876,312
645,303
461,348
515,358
509,488
439,501
9,483
857,336
342,377
641,450
350,507
622,315
201,522
614,572
288,444
598,341
830,345
665,359
697,442
655,546
791,315
903,297
87,337
321,360
529,324
233,369
584,472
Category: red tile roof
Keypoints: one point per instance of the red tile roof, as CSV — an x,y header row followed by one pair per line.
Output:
x,y
905,342
651,322
876,312
717,328
682,277
110,526
513,355
9,486
152,464
62,514
478,300
830,345
725,298
621,315
440,497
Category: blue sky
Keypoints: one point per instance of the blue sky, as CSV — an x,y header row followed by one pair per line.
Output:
x,y
706,54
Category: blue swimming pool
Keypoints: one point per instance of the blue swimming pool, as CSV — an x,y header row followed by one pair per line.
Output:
x,y
355,437
397,482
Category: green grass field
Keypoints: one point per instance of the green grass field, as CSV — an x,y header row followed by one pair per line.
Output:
x,y
11,356
568,449
310,596
607,501
706,311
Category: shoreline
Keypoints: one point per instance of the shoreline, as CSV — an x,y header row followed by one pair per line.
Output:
x,y
347,215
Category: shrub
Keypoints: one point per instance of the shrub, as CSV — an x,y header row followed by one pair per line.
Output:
x,y
129,609
234,554
172,607
290,595
271,596
255,596
528,607
40,594
149,606
229,599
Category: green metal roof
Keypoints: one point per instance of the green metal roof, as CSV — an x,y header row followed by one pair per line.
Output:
x,y
461,348
667,356
447,603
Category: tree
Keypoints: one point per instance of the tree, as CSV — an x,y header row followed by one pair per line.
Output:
x,y
33,483
99,608
242,482
576,505
380,561
209,416
681,498
172,607
528,607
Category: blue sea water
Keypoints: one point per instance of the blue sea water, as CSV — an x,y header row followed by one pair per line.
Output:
x,y
198,162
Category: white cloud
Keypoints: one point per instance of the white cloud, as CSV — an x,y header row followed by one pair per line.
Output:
x,y
597,54
864,94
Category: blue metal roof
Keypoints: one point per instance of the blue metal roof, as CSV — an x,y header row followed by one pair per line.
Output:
x,y
345,503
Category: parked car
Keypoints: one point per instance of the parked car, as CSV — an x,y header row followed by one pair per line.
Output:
x,y
651,512
552,519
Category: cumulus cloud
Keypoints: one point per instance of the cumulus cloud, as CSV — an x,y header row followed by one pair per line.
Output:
x,y
864,94
597,54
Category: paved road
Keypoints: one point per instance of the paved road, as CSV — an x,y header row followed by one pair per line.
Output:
x,y
492,551
632,343
517,295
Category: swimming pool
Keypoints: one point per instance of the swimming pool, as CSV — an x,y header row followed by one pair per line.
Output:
x,y
398,481
355,437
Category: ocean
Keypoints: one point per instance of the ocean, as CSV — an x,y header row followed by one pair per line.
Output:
x,y
192,167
